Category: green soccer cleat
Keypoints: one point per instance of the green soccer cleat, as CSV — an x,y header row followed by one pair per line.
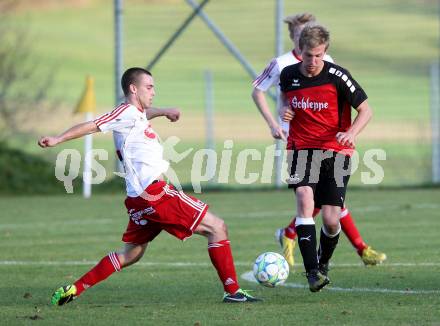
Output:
x,y
372,257
287,245
317,280
63,295
239,296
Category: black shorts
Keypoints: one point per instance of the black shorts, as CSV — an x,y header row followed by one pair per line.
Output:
x,y
326,172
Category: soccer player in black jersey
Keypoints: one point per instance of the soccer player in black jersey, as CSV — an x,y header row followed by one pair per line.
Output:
x,y
270,76
318,97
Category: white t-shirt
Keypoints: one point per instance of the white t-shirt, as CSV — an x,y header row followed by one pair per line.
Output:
x,y
138,144
271,75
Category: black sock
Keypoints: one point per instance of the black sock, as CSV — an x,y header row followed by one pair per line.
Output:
x,y
326,247
307,245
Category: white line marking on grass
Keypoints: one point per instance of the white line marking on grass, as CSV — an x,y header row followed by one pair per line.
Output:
x,y
27,224
90,262
281,213
191,264
371,208
388,264
249,276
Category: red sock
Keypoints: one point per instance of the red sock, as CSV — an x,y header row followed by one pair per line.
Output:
x,y
221,257
351,231
106,267
290,230
316,211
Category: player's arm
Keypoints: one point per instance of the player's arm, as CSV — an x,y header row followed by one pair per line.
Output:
x,y
286,112
76,131
260,101
364,114
172,114
268,78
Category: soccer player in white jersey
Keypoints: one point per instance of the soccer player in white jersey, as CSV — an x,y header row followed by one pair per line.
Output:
x,y
152,204
268,78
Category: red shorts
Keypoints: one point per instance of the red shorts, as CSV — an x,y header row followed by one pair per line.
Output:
x,y
163,208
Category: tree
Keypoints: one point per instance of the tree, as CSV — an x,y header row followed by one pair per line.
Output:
x,y
23,86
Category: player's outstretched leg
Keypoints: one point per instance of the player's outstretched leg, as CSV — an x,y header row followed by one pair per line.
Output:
x,y
111,263
368,255
219,250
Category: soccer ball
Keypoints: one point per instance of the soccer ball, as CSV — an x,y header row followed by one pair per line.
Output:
x,y
271,269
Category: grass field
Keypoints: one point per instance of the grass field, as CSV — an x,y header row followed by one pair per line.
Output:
x,y
46,242
50,241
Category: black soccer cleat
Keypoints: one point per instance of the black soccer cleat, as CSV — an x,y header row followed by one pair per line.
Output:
x,y
316,280
239,296
324,268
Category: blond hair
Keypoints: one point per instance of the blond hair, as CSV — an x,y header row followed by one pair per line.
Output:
x,y
294,21
299,19
314,35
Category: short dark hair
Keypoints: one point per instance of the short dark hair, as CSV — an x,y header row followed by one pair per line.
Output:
x,y
131,76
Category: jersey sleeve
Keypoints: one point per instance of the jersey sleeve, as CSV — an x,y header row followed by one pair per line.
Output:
x,y
269,77
283,80
121,117
348,87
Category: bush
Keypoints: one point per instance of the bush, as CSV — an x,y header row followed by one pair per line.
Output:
x,y
27,174
22,173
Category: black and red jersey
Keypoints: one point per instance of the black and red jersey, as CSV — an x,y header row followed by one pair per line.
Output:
x,y
322,105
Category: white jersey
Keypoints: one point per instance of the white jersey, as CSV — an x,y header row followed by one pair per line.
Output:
x,y
138,145
271,75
